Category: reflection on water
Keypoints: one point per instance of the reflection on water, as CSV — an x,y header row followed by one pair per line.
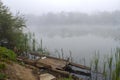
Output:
x,y
82,41
82,46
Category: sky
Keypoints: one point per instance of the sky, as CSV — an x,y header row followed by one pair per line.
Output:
x,y
44,6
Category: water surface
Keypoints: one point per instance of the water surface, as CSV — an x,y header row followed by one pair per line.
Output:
x,y
83,41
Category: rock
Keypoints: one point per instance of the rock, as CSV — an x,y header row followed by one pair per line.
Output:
x,y
47,76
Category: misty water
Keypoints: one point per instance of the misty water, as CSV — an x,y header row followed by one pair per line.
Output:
x,y
82,40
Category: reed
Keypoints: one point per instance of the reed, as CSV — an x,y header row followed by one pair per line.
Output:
x,y
116,72
104,71
96,62
62,53
110,61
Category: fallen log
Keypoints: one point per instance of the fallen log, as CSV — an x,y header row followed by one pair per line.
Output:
x,y
70,63
42,65
68,68
47,67
55,65
27,61
79,66
63,73
81,73
59,74
42,55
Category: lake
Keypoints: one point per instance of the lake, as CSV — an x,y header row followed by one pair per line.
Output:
x,y
82,41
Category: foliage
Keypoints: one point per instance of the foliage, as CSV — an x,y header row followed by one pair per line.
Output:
x,y
116,72
69,78
42,50
111,67
104,71
11,28
12,35
110,59
7,54
2,66
2,76
34,42
96,63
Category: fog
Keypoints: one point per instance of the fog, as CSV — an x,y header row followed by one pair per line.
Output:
x,y
80,26
64,24
81,33
38,7
71,18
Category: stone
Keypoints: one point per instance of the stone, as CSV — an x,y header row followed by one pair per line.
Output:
x,y
47,76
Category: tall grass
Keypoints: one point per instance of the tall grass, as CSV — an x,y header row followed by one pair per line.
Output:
x,y
104,71
116,72
96,63
101,69
70,56
110,69
110,61
62,53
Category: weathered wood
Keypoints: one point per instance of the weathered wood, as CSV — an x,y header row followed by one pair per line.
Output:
x,y
43,65
63,73
71,63
55,64
81,73
68,68
79,66
27,61
39,65
42,55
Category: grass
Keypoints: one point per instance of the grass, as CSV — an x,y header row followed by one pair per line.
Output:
x,y
96,64
7,54
104,71
69,78
111,66
2,66
116,72
2,76
110,59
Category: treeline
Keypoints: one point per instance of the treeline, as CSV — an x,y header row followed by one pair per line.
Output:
x,y
63,18
12,35
11,28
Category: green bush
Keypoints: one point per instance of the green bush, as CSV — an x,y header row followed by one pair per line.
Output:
x,y
2,66
7,54
2,76
69,78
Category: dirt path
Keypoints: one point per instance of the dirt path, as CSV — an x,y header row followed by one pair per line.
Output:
x,y
18,72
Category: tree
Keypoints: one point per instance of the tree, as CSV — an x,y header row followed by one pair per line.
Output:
x,y
11,28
